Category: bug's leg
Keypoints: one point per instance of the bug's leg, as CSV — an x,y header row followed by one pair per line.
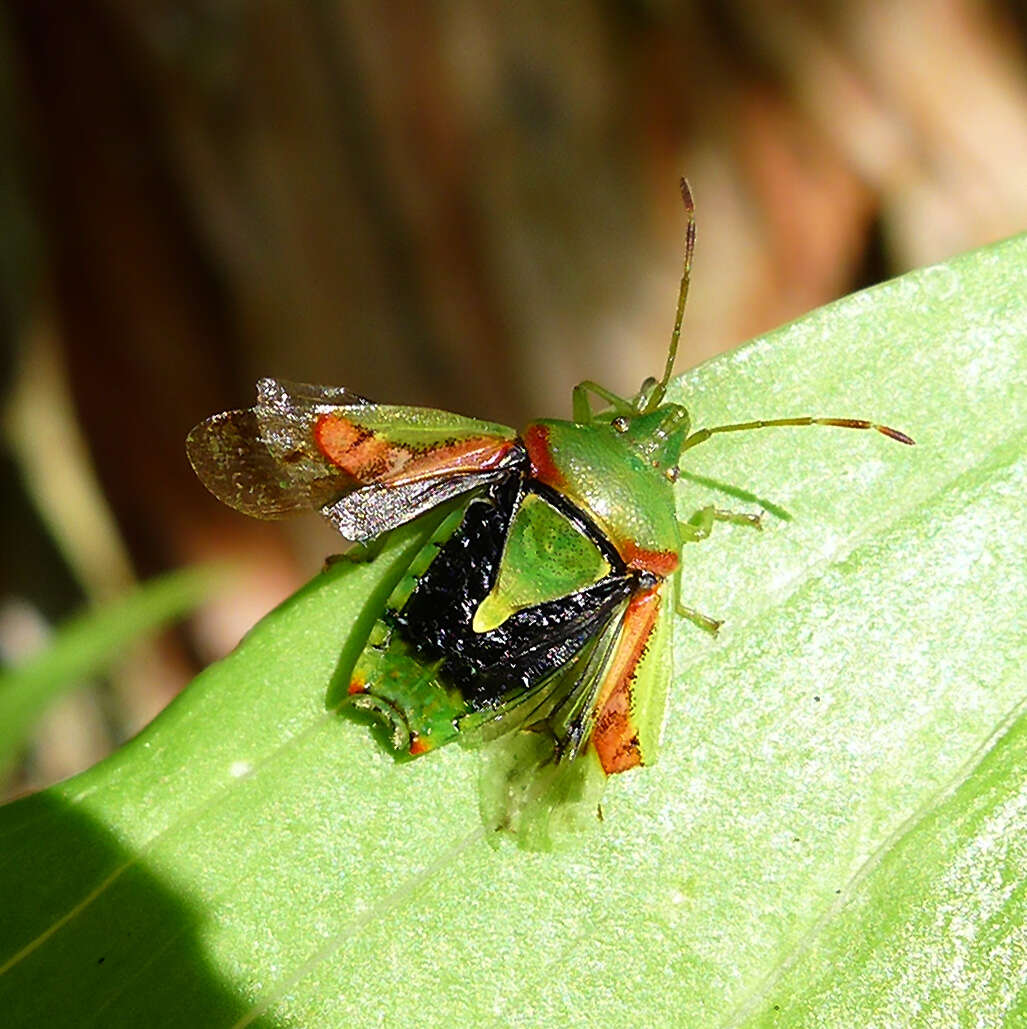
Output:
x,y
705,622
700,525
753,521
648,390
582,409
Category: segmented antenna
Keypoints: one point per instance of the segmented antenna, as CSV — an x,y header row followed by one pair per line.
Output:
x,y
702,435
661,387
686,276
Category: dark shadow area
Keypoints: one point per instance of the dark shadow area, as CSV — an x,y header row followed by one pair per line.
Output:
x,y
409,537
30,563
738,493
338,688
131,956
875,266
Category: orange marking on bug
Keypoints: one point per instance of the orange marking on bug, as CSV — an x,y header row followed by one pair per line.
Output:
x,y
659,562
615,736
543,467
456,457
419,745
357,451
368,458
356,686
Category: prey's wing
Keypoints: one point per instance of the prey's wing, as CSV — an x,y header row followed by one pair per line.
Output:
x,y
303,447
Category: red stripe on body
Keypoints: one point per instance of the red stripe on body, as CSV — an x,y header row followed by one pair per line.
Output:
x,y
659,562
615,736
543,467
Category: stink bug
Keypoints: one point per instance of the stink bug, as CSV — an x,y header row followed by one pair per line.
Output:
x,y
538,610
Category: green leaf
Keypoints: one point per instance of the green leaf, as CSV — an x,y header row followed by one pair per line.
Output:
x,y
834,834
86,646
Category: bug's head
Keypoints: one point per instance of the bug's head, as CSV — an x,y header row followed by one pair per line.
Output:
x,y
658,432
657,436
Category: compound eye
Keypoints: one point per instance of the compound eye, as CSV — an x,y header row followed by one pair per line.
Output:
x,y
672,473
620,423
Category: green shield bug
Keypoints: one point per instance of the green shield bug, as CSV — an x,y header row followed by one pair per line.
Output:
x,y
539,609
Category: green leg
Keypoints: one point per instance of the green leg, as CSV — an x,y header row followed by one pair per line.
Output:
x,y
650,387
583,410
705,622
697,528
700,525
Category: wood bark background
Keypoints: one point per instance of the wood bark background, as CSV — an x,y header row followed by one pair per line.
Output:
x,y
466,205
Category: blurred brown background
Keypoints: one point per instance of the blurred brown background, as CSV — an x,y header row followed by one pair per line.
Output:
x,y
466,205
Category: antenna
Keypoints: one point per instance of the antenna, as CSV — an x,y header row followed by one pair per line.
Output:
x,y
842,423
686,275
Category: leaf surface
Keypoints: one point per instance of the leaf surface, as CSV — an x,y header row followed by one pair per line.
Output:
x,y
834,834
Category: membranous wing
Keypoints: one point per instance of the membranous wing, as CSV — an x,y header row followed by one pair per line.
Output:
x,y
367,467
